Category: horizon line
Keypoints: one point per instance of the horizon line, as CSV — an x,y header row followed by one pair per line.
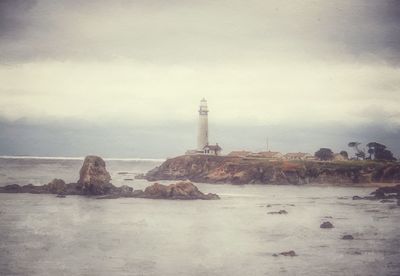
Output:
x,y
78,158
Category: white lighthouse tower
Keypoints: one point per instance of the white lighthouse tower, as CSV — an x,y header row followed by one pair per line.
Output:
x,y
202,135
203,147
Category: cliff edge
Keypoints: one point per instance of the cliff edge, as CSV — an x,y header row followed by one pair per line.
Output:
x,y
238,170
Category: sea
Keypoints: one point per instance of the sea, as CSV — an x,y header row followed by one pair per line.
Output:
x,y
237,235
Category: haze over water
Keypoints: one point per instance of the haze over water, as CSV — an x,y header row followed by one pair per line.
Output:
x,y
45,235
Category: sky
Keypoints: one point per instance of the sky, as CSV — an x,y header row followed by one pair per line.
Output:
x,y
125,78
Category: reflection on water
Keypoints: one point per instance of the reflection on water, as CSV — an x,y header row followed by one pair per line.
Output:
x,y
45,235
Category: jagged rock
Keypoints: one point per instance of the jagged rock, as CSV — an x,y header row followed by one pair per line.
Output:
x,y
347,237
387,192
280,212
180,190
94,178
12,188
326,225
384,194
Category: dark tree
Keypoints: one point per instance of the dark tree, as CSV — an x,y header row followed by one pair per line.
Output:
x,y
378,151
324,154
360,154
344,154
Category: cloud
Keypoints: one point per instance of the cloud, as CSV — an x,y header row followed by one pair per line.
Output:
x,y
292,67
196,32
253,93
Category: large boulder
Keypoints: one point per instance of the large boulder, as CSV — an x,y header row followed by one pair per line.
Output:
x,y
180,190
94,179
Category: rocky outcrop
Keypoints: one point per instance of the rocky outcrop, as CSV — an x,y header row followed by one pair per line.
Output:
x,y
239,170
94,179
56,186
384,194
387,192
180,190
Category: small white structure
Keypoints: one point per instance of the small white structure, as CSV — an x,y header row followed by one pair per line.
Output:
x,y
212,149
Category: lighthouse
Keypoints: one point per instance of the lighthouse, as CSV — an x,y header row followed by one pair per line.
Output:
x,y
203,147
202,135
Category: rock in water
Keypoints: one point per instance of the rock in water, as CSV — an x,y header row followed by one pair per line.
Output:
x,y
56,186
12,188
280,212
326,225
94,178
290,253
180,190
347,237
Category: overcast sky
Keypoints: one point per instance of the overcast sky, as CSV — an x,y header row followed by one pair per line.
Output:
x,y
124,78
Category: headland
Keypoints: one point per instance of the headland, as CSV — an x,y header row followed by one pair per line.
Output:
x,y
242,170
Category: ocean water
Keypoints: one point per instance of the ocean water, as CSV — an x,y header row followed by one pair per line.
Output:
x,y
46,235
